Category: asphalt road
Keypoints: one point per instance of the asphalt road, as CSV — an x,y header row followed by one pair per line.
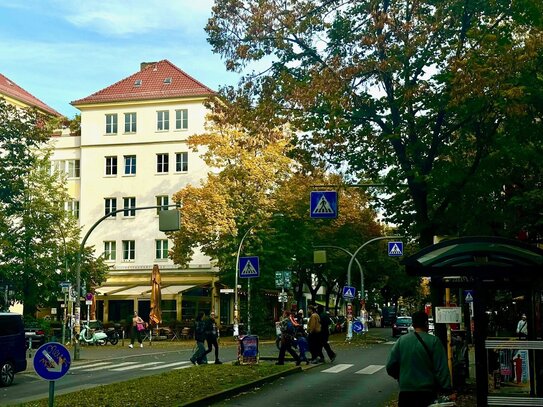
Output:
x,y
356,377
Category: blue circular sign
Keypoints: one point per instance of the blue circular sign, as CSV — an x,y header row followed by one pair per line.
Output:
x,y
357,326
52,361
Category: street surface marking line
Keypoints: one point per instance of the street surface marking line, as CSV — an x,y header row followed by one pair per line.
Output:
x,y
168,365
122,369
88,365
390,343
94,369
338,368
371,369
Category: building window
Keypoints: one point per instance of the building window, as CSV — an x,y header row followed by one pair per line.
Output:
x,y
129,205
73,208
111,165
182,119
163,120
129,250
111,123
181,162
161,251
110,250
130,122
162,200
162,162
129,165
110,206
71,168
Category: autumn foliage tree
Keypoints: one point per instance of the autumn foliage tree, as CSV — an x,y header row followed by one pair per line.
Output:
x,y
441,101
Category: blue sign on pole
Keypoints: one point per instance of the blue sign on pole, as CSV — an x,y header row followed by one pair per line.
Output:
x,y
52,361
395,249
248,267
357,327
323,204
349,292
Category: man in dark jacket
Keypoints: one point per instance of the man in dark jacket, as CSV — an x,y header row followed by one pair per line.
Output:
x,y
419,362
212,333
325,332
199,355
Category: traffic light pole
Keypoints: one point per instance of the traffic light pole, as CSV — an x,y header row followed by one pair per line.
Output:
x,y
77,306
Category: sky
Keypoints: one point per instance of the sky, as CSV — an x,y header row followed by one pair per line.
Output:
x,y
64,50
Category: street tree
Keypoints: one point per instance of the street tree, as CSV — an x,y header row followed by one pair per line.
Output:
x,y
436,99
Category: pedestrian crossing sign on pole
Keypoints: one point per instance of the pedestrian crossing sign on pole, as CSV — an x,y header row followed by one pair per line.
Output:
x,y
349,292
248,267
395,249
323,204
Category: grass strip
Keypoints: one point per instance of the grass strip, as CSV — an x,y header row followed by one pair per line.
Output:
x,y
175,388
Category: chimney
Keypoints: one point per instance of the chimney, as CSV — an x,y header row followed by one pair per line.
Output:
x,y
144,65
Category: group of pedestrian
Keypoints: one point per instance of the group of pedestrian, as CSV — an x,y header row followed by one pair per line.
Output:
x,y
315,339
205,330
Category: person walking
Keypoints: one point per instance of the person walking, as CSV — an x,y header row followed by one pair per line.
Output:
x,y
522,327
314,335
138,326
212,334
419,362
288,331
199,356
326,321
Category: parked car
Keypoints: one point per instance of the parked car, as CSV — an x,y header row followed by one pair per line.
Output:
x,y
12,347
402,326
34,334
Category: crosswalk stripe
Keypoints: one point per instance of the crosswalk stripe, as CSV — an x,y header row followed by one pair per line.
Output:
x,y
122,369
167,365
390,342
87,365
94,369
338,368
371,369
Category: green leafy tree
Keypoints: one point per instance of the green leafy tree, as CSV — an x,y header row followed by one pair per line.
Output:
x,y
439,100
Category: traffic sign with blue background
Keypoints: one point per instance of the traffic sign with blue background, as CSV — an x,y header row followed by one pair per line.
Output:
x,y
52,361
357,327
395,249
323,204
248,267
349,292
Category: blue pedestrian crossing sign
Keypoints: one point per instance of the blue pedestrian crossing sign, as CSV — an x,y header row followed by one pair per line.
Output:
x,y
395,249
248,267
323,204
349,292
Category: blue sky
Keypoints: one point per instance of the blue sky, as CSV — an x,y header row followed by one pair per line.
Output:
x,y
63,50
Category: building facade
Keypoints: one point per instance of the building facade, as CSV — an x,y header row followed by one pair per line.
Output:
x,y
132,153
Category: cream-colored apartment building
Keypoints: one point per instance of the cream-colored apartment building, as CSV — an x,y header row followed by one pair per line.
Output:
x,y
132,153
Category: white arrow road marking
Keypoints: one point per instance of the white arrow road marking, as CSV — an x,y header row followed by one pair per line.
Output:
x,y
337,368
167,365
94,369
371,369
122,369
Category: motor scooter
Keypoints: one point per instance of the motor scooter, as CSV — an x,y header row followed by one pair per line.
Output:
x,y
91,336
112,335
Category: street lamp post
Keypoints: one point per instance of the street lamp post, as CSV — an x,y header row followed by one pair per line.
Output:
x,y
77,307
349,320
236,305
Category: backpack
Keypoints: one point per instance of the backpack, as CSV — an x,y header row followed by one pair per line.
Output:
x,y
287,327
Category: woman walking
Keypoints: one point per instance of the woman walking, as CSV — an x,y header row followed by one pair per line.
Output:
x,y
138,326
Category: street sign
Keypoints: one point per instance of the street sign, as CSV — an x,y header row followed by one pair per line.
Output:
x,y
248,267
357,327
226,291
283,279
395,249
349,292
323,204
52,361
469,295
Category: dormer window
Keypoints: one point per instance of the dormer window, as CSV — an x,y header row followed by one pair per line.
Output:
x,y
167,81
137,83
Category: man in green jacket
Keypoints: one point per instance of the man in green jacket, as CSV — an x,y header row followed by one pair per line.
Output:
x,y
419,362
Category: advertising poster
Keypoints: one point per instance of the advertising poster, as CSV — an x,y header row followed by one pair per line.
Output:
x,y
514,371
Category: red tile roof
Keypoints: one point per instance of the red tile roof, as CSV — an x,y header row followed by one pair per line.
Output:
x,y
150,83
11,89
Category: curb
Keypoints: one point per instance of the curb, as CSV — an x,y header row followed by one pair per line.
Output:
x,y
219,396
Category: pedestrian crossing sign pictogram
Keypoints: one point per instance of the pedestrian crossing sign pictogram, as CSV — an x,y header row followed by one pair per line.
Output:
x,y
395,249
323,204
349,292
248,267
